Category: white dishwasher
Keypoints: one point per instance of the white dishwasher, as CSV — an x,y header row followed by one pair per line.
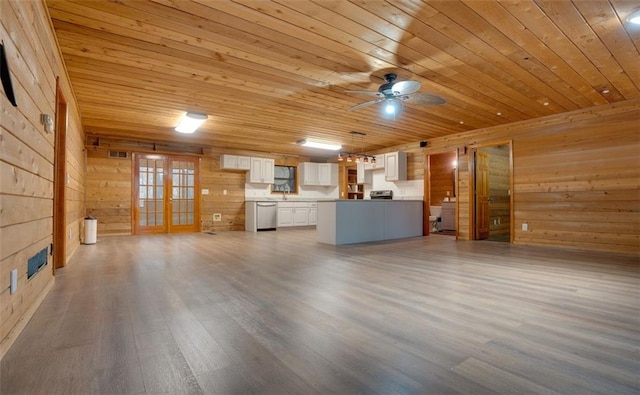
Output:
x,y
266,215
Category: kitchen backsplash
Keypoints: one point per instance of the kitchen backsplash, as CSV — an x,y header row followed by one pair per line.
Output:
x,y
253,191
402,190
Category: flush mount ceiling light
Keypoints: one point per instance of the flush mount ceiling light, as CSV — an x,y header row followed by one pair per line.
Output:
x,y
319,144
634,17
190,122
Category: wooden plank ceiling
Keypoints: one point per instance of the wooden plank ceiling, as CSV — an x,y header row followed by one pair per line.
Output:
x,y
269,73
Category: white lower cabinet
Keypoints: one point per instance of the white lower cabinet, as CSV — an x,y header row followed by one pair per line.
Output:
x,y
313,216
285,216
296,214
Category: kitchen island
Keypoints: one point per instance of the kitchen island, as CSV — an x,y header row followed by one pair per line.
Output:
x,y
357,221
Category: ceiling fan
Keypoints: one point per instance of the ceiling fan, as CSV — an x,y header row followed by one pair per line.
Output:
x,y
393,93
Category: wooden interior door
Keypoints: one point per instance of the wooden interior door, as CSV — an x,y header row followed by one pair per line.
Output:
x,y
166,194
60,182
482,195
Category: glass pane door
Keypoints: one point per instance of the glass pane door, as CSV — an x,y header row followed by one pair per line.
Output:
x,y
166,197
183,194
150,202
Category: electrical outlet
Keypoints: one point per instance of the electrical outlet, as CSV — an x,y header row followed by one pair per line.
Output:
x,y
217,217
224,191
14,281
525,227
205,191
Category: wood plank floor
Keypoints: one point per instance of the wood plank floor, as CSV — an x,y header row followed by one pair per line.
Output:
x,y
278,313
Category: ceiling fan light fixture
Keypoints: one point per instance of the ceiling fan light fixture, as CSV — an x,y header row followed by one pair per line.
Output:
x,y
634,17
320,145
392,108
190,122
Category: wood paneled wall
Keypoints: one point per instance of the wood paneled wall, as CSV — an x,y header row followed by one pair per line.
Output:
x,y
26,162
109,195
576,177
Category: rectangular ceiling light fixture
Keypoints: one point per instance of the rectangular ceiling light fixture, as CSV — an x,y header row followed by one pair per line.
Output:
x,y
320,145
190,122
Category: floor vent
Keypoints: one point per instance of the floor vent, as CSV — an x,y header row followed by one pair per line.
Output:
x,y
36,262
118,154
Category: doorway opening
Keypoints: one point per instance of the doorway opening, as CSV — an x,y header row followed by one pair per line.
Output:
x,y
59,182
442,193
493,184
166,194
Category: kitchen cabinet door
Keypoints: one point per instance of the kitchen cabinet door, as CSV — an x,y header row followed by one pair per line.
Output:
x,y
395,167
327,174
363,176
308,172
233,162
285,216
300,216
243,162
261,171
313,216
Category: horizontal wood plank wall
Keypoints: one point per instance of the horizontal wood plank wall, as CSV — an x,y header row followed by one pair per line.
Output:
x,y
576,177
108,196
26,162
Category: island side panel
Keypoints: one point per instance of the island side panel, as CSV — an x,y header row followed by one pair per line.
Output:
x,y
403,219
326,223
360,221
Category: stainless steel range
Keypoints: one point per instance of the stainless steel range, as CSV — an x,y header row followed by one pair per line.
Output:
x,y
383,194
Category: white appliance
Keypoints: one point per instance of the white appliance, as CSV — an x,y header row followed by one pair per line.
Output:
x,y
266,215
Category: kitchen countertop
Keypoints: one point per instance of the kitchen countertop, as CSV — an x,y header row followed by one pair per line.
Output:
x,y
289,199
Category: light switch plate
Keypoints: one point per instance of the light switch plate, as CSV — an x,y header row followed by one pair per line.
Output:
x,y
205,191
525,227
14,281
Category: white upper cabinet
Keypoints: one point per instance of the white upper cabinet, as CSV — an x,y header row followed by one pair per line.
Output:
x,y
363,174
328,174
318,174
395,168
261,171
308,173
234,162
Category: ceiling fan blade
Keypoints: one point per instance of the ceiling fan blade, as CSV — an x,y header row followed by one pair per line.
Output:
x,y
366,104
405,87
367,93
425,99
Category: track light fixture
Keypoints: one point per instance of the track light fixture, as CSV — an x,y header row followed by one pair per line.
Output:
x,y
357,157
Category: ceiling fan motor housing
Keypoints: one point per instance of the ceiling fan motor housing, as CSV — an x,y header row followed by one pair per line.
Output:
x,y
387,89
